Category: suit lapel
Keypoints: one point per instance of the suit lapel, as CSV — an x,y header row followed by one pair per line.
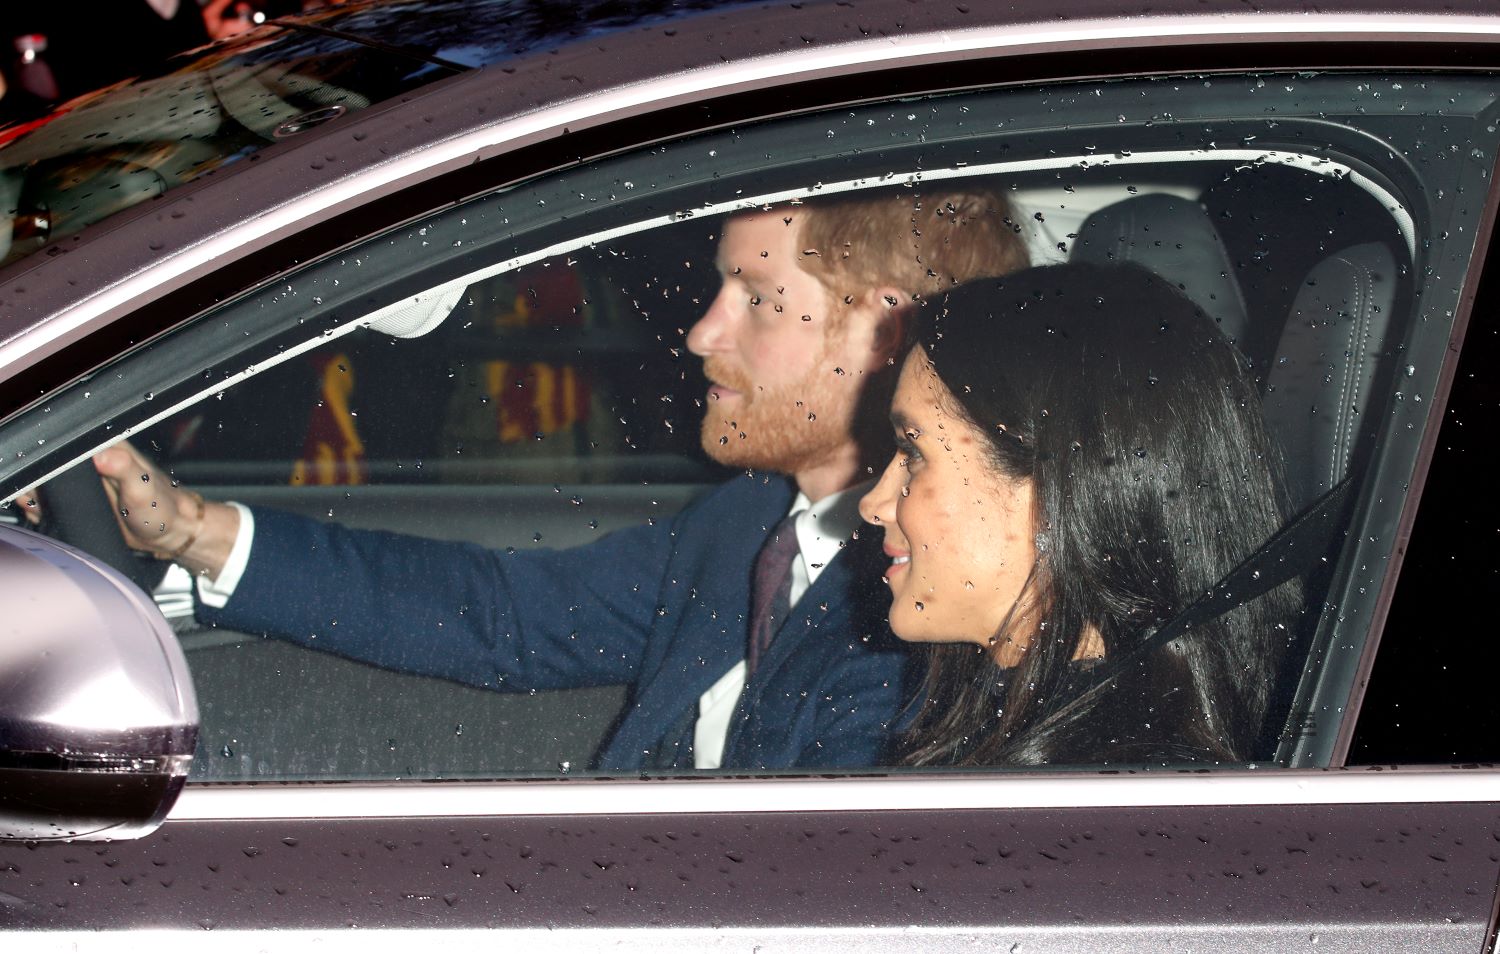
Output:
x,y
706,602
848,589
846,598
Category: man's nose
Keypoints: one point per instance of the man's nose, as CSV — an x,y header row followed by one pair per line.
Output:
x,y
878,506
710,332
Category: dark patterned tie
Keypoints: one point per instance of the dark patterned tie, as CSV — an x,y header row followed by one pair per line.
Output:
x,y
771,589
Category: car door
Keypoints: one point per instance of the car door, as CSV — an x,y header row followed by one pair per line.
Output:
x,y
508,369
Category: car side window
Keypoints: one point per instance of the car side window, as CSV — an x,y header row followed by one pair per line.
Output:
x,y
1420,705
521,374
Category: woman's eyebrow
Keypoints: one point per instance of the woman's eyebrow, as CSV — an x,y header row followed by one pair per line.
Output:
x,y
901,422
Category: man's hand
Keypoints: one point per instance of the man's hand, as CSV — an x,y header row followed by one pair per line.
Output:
x,y
170,522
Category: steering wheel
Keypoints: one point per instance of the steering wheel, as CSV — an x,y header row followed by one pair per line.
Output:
x,y
76,510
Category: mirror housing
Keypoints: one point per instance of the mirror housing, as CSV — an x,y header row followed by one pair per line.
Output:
x,y
98,719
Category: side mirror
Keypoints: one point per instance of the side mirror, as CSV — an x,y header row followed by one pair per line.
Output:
x,y
98,719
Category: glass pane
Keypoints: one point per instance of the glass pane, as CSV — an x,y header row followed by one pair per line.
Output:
x,y
644,345
107,151
1420,706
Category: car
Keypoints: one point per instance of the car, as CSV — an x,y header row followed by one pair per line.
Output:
x,y
428,267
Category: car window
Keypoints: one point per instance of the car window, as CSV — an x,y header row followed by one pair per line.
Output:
x,y
1419,705
516,373
537,375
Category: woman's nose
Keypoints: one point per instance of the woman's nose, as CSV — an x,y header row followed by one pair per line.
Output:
x,y
879,505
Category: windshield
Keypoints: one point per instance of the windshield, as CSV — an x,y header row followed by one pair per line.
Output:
x,y
104,152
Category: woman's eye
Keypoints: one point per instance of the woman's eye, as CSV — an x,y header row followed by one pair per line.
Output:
x,y
906,452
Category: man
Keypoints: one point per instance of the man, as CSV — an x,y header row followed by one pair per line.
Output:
x,y
751,626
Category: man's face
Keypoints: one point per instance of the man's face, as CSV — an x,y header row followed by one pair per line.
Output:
x,y
782,389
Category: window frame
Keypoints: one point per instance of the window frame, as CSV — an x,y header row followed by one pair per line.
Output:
x,y
339,310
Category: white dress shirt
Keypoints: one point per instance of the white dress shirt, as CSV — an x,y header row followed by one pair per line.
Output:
x,y
822,530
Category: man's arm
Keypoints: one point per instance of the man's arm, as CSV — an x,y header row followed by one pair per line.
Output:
x,y
528,620
535,619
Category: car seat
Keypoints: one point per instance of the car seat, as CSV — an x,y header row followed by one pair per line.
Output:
x,y
1332,348
1173,237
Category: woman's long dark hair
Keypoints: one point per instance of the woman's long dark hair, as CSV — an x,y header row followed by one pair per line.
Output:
x,y
1141,430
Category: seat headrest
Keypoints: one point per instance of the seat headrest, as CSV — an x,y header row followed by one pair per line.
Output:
x,y
1174,238
415,316
1334,345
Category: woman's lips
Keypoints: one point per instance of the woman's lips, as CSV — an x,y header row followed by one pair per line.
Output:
x,y
899,562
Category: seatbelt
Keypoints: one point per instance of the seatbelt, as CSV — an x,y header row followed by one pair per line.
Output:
x,y
1290,552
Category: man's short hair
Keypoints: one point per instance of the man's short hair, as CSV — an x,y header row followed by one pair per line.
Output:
x,y
920,242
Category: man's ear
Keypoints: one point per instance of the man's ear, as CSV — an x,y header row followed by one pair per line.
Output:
x,y
893,311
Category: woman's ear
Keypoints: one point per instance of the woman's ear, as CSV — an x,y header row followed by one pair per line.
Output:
x,y
1091,646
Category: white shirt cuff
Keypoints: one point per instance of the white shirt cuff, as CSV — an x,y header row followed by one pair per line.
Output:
x,y
216,592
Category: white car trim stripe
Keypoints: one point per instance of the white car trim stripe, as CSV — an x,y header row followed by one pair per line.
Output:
x,y
1145,934
915,792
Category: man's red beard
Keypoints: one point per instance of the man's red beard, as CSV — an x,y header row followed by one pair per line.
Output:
x,y
783,429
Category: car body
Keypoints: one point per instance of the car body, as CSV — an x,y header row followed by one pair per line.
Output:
x,y
552,183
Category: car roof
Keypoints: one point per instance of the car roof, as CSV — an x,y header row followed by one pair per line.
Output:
x,y
551,82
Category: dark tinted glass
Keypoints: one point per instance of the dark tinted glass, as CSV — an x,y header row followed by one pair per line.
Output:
x,y
1430,691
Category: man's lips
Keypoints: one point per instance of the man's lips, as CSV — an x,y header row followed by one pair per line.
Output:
x,y
719,392
724,379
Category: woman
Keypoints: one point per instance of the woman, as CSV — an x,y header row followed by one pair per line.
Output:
x,y
1080,456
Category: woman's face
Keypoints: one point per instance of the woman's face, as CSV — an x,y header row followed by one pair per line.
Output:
x,y
959,533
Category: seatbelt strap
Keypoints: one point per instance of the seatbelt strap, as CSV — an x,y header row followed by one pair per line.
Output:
x,y
1291,552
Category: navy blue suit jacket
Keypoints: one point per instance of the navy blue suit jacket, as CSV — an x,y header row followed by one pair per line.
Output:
x,y
662,608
